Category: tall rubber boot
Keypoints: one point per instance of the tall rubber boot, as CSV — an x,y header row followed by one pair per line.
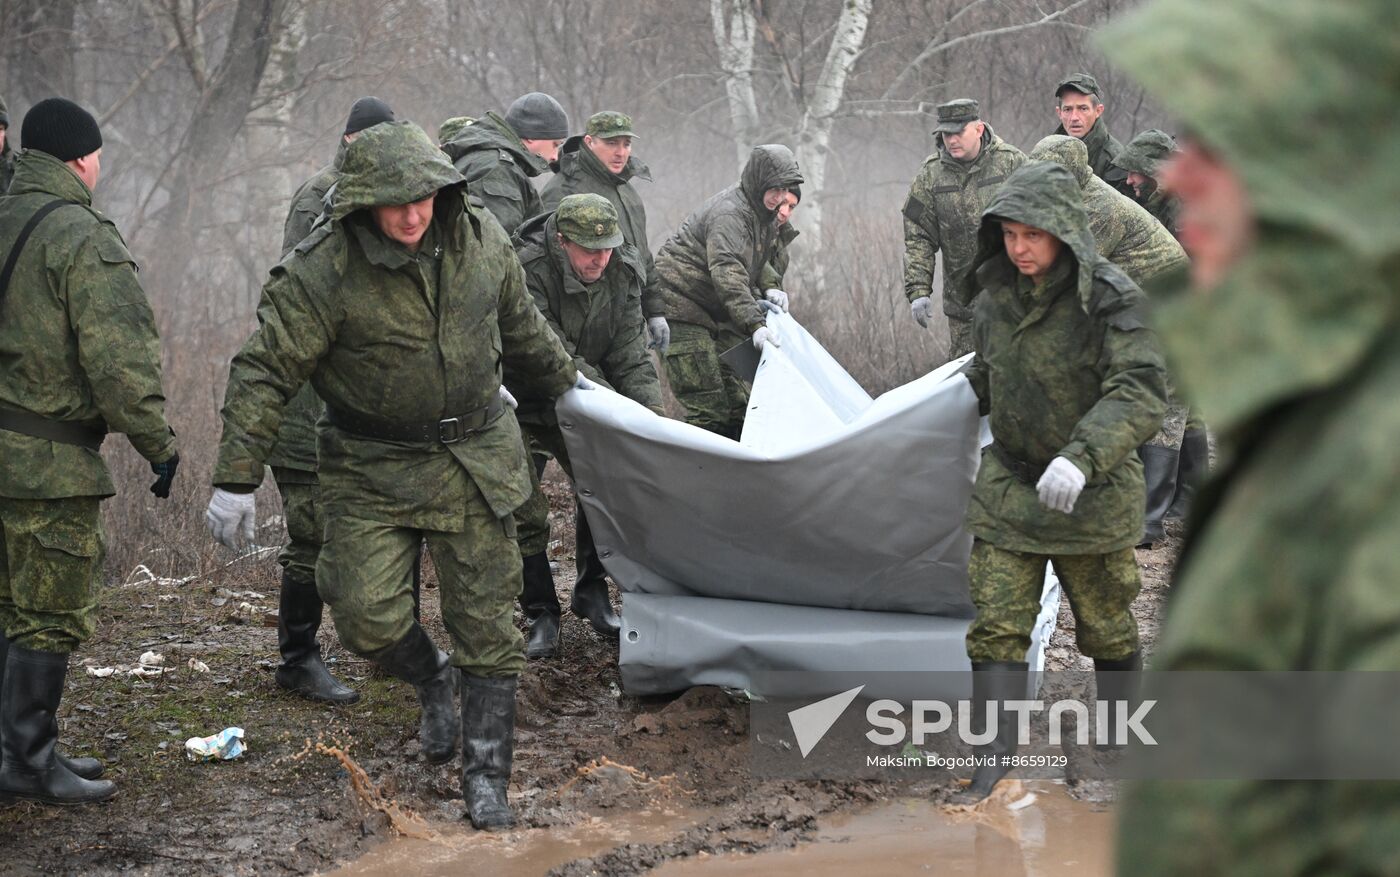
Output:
x,y
1116,683
1159,470
1192,468
87,768
415,660
541,605
418,585
488,747
996,681
30,769
302,670
591,600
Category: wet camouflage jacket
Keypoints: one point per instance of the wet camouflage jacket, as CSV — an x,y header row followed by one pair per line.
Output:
x,y
1163,208
78,341
943,212
599,324
1294,358
1103,152
713,270
498,169
580,172
1127,235
1067,369
385,333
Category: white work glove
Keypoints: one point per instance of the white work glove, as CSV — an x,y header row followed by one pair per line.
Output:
x,y
507,398
764,336
1060,486
777,297
660,332
768,307
230,517
584,383
923,309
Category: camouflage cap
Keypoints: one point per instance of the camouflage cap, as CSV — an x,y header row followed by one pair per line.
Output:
x,y
452,128
1146,153
589,221
1080,82
610,124
955,114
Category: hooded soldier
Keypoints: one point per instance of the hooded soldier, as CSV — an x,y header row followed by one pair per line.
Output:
x,y
1142,161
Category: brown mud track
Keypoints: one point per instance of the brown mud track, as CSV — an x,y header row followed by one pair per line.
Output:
x,y
587,755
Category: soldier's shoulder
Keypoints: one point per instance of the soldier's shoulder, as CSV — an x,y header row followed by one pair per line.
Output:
x,y
1007,152
85,225
1114,291
320,257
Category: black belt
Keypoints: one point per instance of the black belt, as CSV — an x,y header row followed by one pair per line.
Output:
x,y
447,431
1027,472
84,434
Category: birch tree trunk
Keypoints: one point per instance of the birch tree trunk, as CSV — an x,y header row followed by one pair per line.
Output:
x,y
734,27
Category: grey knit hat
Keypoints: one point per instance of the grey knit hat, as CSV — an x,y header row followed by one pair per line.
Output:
x,y
537,116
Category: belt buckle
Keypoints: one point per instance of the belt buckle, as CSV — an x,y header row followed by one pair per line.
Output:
x,y
450,431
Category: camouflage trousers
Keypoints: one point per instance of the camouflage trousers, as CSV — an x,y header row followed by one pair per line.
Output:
x,y
714,398
365,575
532,518
1006,587
959,337
301,506
50,571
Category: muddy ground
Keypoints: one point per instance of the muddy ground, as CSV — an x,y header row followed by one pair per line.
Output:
x,y
286,808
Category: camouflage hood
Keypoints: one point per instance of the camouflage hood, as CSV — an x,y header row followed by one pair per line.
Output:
x,y
37,171
1066,151
769,167
492,132
1047,196
390,163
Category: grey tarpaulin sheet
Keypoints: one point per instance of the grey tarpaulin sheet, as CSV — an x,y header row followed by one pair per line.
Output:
x,y
824,539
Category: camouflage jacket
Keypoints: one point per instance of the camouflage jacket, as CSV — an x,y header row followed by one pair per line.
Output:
x,y
713,270
1127,235
1066,369
580,172
1103,150
78,341
600,324
406,337
1290,561
498,169
1164,208
943,212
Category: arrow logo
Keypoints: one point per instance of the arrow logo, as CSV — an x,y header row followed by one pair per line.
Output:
x,y
810,723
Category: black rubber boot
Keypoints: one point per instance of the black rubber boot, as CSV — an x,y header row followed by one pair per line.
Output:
x,y
488,746
1116,683
541,605
418,585
87,768
30,768
997,681
1192,468
302,670
415,660
1159,470
591,600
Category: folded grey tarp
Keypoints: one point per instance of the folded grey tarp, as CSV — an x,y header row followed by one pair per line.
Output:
x,y
829,537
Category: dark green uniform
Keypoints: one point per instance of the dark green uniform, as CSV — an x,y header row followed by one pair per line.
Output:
x,y
498,169
1103,151
78,346
712,273
1064,368
1145,154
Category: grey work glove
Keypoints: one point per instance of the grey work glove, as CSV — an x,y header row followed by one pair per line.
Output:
x,y
768,307
777,297
230,517
660,333
584,383
922,307
507,398
1060,486
764,336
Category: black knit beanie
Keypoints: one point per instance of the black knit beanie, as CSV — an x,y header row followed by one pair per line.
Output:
x,y
537,116
61,128
367,112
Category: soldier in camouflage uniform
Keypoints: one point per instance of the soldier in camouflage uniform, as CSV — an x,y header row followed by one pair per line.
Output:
x,y
601,162
293,464
587,281
1288,338
499,156
717,277
79,356
1079,104
944,209
7,155
1073,382
401,310
1129,237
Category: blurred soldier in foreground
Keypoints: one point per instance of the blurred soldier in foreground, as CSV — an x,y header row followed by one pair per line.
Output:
x,y
499,156
1073,382
588,284
293,463
1288,339
944,209
7,155
717,278
1129,237
601,162
1079,104
79,356
401,310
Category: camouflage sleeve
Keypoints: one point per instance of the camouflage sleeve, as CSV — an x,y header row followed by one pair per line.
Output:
x,y
725,248
921,242
541,302
295,329
118,346
300,217
977,373
627,364
652,305
530,352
